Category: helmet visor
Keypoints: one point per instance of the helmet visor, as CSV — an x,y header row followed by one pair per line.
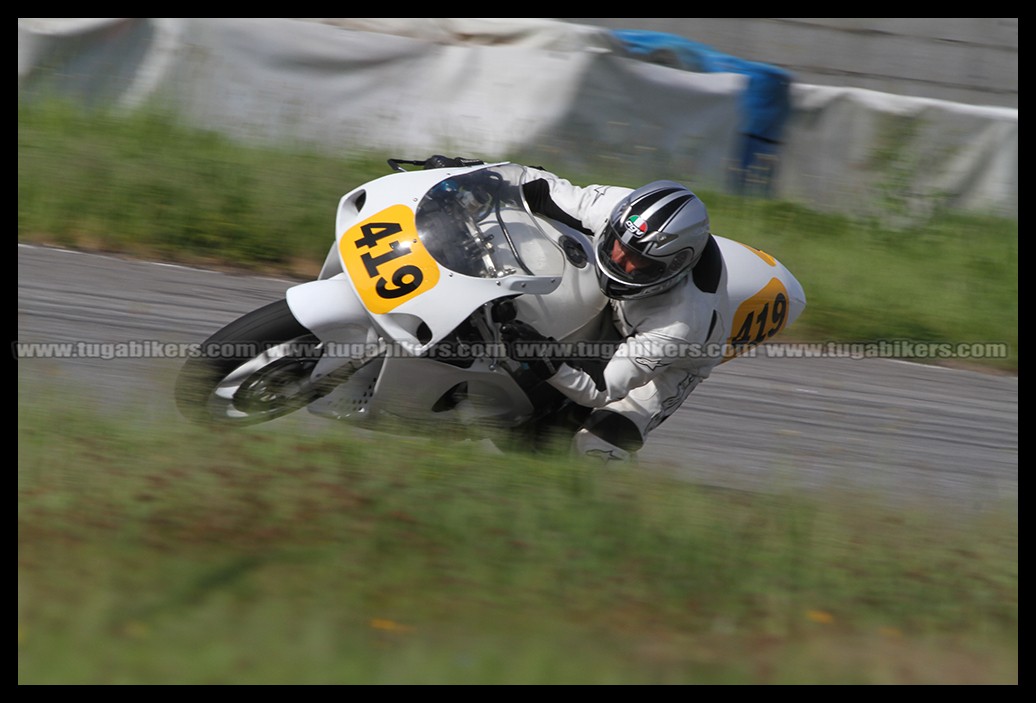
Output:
x,y
626,264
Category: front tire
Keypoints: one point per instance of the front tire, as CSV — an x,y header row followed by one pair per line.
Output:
x,y
255,369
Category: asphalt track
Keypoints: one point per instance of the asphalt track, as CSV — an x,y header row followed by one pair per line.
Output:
x,y
878,426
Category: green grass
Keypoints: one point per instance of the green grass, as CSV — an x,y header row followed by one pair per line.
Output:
x,y
144,185
953,280
153,552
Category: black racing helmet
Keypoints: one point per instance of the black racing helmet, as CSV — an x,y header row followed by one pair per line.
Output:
x,y
654,236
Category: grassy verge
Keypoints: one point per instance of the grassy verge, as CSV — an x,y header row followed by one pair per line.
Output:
x,y
157,553
142,185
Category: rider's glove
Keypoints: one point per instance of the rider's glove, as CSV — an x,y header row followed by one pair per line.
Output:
x,y
440,161
531,349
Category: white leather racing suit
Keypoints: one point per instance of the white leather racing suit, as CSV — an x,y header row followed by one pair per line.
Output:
x,y
672,340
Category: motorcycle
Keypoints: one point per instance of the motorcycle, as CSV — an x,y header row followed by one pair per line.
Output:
x,y
404,319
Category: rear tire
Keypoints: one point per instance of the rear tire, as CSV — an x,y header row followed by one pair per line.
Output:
x,y
255,369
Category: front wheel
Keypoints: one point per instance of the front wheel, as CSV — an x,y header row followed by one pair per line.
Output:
x,y
255,369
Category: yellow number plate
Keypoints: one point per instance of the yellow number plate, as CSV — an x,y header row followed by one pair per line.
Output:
x,y
386,260
759,318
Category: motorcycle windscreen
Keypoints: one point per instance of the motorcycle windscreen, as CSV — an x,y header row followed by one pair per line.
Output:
x,y
476,224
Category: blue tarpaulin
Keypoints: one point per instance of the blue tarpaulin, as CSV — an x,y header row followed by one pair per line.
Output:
x,y
766,102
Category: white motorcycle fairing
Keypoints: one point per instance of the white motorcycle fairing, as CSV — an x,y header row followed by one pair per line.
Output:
x,y
386,295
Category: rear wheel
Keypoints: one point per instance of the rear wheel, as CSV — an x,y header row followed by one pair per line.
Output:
x,y
255,369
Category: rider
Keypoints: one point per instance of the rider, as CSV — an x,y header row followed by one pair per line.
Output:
x,y
659,265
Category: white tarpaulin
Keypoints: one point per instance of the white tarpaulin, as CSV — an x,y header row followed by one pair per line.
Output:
x,y
342,89
560,94
856,150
